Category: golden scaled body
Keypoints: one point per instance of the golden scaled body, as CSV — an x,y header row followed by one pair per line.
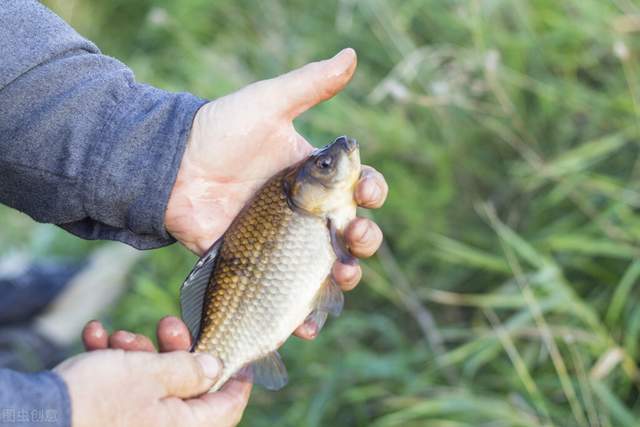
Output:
x,y
271,265
271,270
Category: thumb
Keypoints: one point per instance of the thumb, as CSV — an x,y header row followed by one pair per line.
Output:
x,y
300,89
183,374
226,405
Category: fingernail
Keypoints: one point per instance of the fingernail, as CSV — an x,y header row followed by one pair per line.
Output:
x,y
127,337
171,326
343,51
173,330
210,365
311,327
97,328
343,59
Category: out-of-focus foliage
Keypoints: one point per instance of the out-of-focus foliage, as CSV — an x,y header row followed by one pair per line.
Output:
x,y
506,292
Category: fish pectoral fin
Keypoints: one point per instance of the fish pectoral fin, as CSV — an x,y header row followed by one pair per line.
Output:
x,y
270,372
194,289
339,245
317,318
329,298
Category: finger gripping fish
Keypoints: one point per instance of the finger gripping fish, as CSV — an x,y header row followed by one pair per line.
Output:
x,y
271,269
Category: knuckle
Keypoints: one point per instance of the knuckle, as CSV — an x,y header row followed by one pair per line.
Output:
x,y
348,276
358,230
174,414
195,372
120,333
182,370
365,238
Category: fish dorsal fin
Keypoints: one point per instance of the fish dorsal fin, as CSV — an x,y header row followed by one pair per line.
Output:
x,y
270,372
329,298
194,288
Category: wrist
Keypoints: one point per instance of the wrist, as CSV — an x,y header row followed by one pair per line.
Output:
x,y
181,206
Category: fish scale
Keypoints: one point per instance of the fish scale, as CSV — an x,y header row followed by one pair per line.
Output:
x,y
276,294
271,269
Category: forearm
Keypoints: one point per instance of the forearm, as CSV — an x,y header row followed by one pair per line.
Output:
x,y
82,145
33,399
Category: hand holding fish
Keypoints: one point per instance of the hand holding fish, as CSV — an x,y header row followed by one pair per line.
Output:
x,y
166,386
239,141
237,144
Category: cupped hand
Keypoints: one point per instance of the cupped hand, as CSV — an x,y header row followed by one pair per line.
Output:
x,y
123,381
239,141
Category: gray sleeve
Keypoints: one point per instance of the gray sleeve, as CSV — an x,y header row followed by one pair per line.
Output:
x,y
82,144
33,399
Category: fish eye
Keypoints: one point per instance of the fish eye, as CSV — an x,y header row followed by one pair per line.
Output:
x,y
324,162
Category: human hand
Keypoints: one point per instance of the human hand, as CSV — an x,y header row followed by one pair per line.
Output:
x,y
172,335
239,141
124,382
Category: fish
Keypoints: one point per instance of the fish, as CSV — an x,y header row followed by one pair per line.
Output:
x,y
271,269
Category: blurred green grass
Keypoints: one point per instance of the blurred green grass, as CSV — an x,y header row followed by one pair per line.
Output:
x,y
505,294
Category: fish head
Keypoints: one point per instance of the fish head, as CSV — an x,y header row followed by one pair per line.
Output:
x,y
324,183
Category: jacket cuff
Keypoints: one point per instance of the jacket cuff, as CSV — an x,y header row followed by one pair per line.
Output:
x,y
34,399
134,164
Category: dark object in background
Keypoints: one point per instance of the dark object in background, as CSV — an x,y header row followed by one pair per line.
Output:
x,y
26,293
45,304
22,348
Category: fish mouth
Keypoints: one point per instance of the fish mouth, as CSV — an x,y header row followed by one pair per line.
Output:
x,y
351,148
343,143
349,145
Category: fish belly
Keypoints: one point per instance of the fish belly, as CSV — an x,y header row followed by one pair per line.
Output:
x,y
263,296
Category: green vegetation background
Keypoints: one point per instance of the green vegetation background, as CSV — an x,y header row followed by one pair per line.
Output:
x,y
506,292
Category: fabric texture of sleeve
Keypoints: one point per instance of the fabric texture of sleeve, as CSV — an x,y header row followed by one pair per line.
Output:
x,y
33,399
82,144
